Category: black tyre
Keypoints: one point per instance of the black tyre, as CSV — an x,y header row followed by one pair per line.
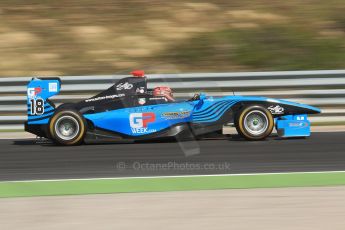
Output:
x,y
67,127
254,123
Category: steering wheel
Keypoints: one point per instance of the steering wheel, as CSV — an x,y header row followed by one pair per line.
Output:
x,y
195,97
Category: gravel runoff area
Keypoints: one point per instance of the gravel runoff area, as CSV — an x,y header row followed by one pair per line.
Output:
x,y
278,208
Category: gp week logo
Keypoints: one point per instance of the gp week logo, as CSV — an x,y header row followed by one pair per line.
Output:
x,y
32,92
139,122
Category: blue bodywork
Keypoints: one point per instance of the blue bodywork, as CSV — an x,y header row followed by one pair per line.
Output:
x,y
40,90
293,126
144,120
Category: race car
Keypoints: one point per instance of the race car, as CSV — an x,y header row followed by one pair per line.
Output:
x,y
128,110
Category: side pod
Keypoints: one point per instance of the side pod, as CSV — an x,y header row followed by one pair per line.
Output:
x,y
293,126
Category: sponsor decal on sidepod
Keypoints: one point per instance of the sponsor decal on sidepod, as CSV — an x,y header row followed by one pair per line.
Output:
x,y
176,115
139,122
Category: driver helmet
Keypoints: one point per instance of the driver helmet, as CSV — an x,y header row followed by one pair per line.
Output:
x,y
163,91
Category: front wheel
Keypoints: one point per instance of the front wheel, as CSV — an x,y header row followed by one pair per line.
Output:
x,y
254,123
67,127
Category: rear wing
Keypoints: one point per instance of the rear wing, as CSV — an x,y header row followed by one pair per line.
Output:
x,y
39,108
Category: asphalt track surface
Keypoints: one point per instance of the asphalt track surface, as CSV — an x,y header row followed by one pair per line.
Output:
x,y
27,160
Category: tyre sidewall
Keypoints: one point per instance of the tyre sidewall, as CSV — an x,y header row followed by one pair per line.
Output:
x,y
241,119
81,122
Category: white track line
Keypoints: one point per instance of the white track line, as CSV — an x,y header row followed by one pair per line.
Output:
x,y
177,176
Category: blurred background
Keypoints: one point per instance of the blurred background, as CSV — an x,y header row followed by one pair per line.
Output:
x,y
70,37
75,38
101,40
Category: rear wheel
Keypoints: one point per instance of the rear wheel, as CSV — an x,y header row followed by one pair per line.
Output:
x,y
67,127
254,123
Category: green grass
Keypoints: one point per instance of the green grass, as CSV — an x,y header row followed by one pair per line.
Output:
x,y
131,185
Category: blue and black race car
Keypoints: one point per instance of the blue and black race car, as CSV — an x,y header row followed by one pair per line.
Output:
x,y
129,110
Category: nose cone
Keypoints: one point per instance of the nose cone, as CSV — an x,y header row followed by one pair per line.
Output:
x,y
303,108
